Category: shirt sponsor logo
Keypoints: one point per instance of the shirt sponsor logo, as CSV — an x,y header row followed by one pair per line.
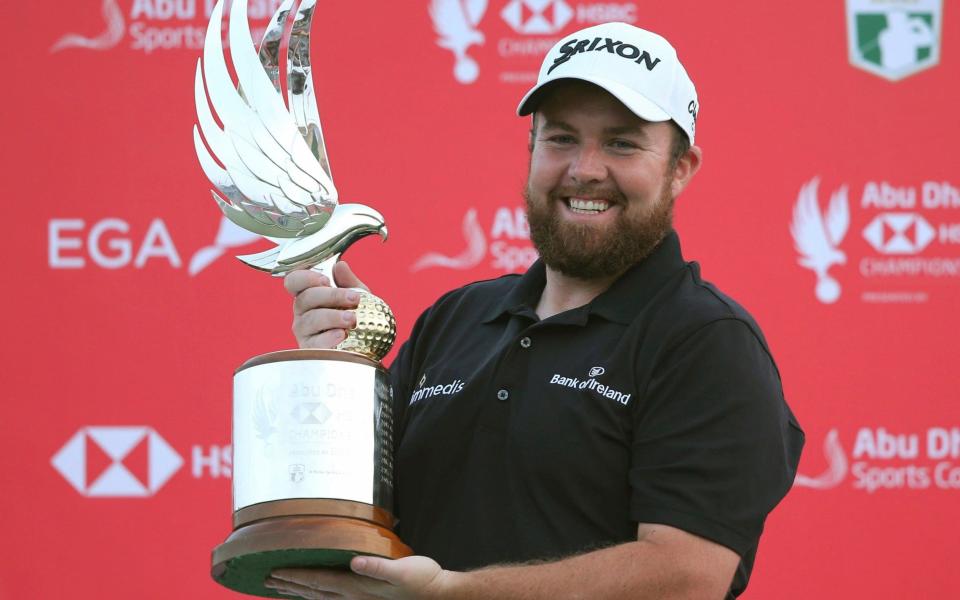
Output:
x,y
448,389
910,235
884,460
593,385
894,39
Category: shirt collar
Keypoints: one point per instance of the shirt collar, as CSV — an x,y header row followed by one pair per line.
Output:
x,y
621,303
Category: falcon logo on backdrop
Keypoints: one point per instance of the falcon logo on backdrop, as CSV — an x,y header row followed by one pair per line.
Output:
x,y
911,235
455,22
885,460
506,248
817,237
538,23
132,461
894,38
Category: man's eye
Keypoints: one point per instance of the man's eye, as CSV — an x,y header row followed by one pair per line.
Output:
x,y
561,139
623,145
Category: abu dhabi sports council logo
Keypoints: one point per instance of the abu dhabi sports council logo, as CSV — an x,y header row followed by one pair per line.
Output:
x,y
894,38
535,26
537,17
110,37
911,235
817,237
504,245
117,461
154,25
885,460
455,22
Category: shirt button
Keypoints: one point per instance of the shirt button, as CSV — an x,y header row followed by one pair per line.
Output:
x,y
502,395
525,342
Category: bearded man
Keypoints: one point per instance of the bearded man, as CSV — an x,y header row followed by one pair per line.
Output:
x,y
616,425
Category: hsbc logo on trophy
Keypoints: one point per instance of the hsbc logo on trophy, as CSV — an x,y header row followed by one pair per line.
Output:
x,y
910,235
117,462
538,23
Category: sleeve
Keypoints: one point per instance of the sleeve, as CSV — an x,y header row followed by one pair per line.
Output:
x,y
715,446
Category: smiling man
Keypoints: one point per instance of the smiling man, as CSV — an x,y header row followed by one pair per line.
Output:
x,y
617,428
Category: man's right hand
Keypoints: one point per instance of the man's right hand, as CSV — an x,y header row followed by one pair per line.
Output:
x,y
322,314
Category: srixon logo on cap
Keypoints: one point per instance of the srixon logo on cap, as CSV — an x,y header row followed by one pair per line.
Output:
x,y
599,44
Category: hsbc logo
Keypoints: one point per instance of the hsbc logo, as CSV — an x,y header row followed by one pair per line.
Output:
x,y
899,233
537,17
117,462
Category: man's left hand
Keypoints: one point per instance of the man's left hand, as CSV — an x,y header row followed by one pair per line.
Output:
x,y
411,578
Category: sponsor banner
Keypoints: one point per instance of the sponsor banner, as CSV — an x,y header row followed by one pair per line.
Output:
x,y
505,41
149,26
894,38
879,459
909,246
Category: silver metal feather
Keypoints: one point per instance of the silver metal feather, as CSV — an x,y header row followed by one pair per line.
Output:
x,y
269,160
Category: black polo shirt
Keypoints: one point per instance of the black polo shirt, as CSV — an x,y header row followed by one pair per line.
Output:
x,y
521,438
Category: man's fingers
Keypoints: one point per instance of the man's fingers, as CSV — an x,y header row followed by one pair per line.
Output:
x,y
324,297
297,281
327,325
376,568
344,276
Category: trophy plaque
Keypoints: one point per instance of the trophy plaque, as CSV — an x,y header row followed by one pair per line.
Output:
x,y
312,429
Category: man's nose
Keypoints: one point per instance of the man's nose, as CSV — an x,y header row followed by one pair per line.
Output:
x,y
588,165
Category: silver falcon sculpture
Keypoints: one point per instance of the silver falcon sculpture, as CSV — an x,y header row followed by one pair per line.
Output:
x,y
268,160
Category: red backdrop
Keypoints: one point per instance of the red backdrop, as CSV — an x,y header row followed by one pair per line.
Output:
x,y
123,322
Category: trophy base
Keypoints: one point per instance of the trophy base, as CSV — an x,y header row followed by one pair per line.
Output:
x,y
244,561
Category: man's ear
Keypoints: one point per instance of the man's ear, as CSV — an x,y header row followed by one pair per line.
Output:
x,y
533,132
687,166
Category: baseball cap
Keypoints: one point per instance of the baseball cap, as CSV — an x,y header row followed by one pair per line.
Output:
x,y
638,67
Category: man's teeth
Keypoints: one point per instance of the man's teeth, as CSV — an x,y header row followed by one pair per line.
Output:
x,y
587,207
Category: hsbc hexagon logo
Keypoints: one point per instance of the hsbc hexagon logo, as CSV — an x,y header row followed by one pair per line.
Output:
x,y
537,17
899,233
117,462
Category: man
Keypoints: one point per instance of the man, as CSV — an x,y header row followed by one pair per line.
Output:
x,y
617,427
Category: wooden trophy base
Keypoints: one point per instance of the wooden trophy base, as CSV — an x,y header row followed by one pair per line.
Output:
x,y
301,534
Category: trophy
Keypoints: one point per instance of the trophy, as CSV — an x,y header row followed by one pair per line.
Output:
x,y
312,429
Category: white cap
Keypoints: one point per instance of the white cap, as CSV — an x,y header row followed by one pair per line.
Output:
x,y
638,67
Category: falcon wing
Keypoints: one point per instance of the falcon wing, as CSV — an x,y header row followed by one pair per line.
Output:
x,y
809,235
838,216
475,10
274,185
450,22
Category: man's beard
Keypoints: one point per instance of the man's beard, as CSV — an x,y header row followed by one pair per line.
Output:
x,y
585,251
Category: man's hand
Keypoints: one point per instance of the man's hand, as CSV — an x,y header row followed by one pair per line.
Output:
x,y
411,578
321,313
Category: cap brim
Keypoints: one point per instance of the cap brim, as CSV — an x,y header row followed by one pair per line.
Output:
x,y
637,103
